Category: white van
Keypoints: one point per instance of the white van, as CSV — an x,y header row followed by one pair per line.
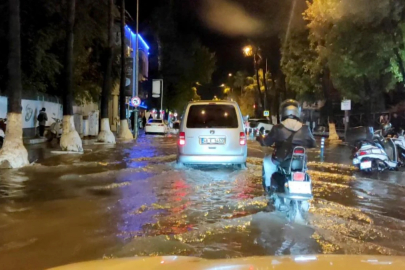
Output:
x,y
212,132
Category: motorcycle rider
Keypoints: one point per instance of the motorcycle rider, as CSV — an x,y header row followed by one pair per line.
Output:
x,y
290,133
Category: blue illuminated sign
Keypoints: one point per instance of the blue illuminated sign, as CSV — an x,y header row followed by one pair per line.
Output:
x,y
140,37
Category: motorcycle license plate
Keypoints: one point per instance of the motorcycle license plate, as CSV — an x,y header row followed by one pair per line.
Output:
x,y
299,187
365,165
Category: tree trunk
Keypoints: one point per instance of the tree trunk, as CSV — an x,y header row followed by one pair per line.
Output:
x,y
123,115
277,99
13,153
105,134
326,86
258,83
369,105
267,94
124,132
70,140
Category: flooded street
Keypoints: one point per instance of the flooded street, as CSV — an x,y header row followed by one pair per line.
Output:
x,y
131,199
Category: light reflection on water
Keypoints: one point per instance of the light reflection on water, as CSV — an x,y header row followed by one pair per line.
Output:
x,y
135,201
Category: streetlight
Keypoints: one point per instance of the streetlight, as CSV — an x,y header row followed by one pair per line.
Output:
x,y
222,85
230,75
248,50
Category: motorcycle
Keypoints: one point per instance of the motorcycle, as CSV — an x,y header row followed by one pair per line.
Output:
x,y
3,124
400,145
55,130
291,186
377,154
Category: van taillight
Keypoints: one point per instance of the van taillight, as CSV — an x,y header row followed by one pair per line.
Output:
x,y
242,138
299,151
182,138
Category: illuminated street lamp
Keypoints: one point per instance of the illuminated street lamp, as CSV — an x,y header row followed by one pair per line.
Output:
x,y
248,50
222,85
230,75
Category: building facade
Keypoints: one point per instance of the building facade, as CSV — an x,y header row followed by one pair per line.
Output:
x,y
143,49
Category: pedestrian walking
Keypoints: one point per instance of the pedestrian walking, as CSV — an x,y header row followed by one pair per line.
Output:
x,y
42,118
144,121
132,118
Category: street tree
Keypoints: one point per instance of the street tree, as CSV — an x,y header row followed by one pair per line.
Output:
x,y
355,49
13,153
70,140
183,61
248,97
353,43
105,134
42,44
239,80
124,132
298,64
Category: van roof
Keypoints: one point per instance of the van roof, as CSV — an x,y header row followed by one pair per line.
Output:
x,y
212,102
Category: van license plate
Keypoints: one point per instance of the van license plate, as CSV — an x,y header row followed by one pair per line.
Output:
x,y
212,140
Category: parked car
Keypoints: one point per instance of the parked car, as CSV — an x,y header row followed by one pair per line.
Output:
x,y
212,132
259,126
156,126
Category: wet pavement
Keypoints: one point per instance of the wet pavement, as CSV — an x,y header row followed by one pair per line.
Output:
x,y
131,199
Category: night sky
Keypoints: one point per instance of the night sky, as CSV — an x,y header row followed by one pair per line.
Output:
x,y
228,49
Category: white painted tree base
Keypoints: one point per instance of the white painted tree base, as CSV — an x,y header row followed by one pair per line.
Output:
x,y
70,140
105,135
13,153
125,133
333,136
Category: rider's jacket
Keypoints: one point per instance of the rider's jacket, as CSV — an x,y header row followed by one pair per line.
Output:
x,y
286,136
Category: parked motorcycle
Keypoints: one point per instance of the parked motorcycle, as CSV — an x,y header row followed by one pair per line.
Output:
x,y
3,124
400,145
55,130
291,186
377,154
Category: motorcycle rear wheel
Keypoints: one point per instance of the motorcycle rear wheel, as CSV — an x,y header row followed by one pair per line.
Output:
x,y
293,211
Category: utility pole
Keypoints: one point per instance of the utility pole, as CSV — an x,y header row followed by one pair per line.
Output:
x,y
136,77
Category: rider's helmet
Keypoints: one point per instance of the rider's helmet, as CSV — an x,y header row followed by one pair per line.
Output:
x,y
290,108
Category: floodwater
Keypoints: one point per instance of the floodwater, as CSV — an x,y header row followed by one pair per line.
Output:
x,y
131,199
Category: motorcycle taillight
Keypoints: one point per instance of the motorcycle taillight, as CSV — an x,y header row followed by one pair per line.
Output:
x,y
363,153
299,176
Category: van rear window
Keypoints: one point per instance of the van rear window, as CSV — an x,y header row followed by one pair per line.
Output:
x,y
212,116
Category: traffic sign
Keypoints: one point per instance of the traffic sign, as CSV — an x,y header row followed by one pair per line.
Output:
x,y
346,105
266,113
135,101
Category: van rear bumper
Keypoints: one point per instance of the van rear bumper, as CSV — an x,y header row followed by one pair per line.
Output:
x,y
205,159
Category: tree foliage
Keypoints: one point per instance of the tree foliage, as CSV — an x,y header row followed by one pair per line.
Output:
x,y
356,40
300,66
43,35
183,60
